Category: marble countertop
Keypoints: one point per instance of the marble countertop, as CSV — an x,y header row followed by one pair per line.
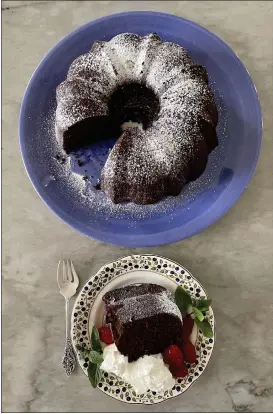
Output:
x,y
233,258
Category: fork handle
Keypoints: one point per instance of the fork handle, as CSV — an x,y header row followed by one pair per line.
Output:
x,y
67,318
69,359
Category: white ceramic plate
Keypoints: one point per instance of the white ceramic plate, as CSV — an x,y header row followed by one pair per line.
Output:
x,y
89,310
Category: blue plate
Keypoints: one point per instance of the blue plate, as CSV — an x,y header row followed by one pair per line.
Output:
x,y
202,202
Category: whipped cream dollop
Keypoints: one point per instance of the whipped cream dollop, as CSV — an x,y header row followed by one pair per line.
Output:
x,y
147,373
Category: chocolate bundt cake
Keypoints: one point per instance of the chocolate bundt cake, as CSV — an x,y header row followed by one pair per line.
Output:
x,y
154,83
144,319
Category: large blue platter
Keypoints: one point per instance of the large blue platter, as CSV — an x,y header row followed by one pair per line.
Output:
x,y
201,203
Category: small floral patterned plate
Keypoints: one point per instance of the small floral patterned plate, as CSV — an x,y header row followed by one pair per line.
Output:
x,y
89,310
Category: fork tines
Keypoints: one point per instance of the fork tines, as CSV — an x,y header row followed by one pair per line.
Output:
x,y
66,271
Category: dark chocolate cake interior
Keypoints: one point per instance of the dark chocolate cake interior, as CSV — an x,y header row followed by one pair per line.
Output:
x,y
133,102
144,319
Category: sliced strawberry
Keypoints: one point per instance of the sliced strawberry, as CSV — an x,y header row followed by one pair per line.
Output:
x,y
106,335
173,356
189,352
180,372
188,323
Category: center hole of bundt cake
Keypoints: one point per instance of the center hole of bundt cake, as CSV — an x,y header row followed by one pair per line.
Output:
x,y
130,103
134,102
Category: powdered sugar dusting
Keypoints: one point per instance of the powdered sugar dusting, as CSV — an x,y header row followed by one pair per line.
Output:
x,y
161,154
94,204
145,306
69,179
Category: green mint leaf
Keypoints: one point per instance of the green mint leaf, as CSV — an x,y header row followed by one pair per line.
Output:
x,y
190,309
205,327
198,314
203,304
95,357
94,374
182,299
95,340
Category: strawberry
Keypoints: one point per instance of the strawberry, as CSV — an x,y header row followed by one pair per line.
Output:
x,y
188,323
106,335
189,352
180,372
173,356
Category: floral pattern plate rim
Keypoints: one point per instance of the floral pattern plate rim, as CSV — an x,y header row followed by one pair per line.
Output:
x,y
88,310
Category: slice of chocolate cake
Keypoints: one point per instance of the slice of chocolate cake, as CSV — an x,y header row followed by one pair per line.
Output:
x,y
144,319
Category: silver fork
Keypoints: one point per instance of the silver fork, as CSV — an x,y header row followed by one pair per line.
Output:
x,y
68,283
